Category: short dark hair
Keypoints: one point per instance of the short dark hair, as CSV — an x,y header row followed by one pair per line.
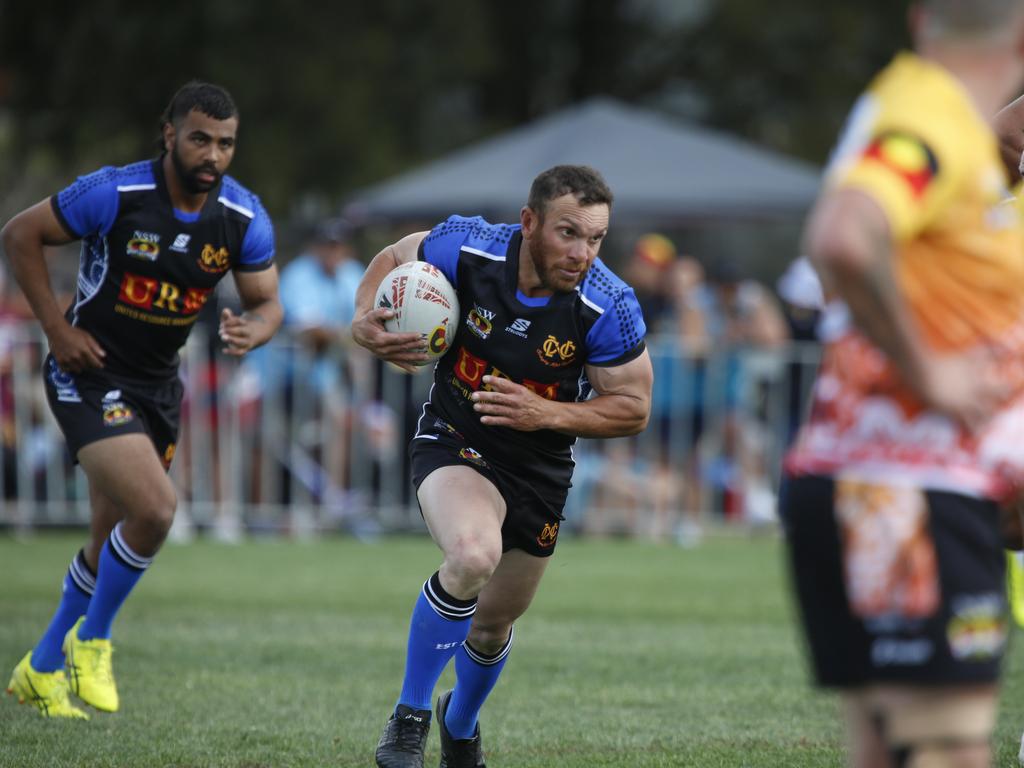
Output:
x,y
978,20
210,99
582,181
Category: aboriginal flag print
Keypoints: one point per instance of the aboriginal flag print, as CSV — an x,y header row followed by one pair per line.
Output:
x,y
907,156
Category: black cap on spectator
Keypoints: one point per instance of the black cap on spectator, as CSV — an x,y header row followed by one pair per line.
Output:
x,y
332,231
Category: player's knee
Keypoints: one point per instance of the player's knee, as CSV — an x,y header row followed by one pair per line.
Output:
x,y
471,563
155,512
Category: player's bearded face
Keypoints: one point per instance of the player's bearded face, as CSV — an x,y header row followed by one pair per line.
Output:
x,y
201,148
197,178
566,243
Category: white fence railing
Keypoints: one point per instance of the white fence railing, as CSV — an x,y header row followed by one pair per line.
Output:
x,y
284,441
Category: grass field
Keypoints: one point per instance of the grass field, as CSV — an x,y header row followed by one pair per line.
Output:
x,y
277,653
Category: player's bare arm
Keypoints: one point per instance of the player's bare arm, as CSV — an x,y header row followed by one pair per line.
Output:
x,y
622,405
23,239
403,349
850,242
262,313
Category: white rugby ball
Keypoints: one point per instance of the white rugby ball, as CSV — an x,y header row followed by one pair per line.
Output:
x,y
423,301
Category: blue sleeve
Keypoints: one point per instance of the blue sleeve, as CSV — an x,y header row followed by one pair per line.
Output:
x,y
441,245
258,243
618,335
89,205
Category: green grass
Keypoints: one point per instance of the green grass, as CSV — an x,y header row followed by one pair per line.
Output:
x,y
276,653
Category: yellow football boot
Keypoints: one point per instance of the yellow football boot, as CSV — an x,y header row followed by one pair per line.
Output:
x,y
1015,585
90,669
48,691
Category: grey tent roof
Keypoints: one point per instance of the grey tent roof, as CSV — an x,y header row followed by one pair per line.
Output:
x,y
657,168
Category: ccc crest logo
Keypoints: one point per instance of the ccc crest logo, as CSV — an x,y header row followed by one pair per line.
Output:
x,y
556,353
215,260
548,535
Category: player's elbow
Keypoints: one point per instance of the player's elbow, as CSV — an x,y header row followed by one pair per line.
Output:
x,y
10,235
846,235
637,418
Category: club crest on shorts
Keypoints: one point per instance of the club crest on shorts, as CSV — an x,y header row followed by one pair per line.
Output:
x,y
472,456
116,413
548,535
978,628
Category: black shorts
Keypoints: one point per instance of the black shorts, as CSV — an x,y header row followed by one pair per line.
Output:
x,y
534,497
95,404
897,585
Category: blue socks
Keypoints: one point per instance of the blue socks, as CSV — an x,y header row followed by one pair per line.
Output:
x,y
120,569
438,629
79,584
475,676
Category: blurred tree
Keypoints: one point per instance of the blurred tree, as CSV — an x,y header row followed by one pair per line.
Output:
x,y
787,75
334,96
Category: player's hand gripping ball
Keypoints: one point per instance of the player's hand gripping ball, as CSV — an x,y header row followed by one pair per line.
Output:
x,y
424,302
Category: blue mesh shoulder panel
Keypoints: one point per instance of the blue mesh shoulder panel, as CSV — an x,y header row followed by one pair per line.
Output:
x,y
258,244
444,243
89,205
618,333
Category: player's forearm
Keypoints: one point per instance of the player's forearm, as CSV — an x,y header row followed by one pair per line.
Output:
x,y
376,271
28,265
263,318
601,416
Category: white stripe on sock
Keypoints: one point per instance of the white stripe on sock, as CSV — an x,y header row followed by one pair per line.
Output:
x,y
443,609
490,661
125,552
81,576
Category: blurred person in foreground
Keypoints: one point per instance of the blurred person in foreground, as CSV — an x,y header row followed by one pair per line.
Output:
x,y
157,236
1009,125
546,325
914,438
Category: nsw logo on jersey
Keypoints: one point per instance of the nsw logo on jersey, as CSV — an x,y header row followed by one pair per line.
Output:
x,y
518,328
556,353
479,321
144,245
180,243
215,260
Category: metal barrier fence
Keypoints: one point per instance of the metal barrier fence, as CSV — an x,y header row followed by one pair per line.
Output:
x,y
284,441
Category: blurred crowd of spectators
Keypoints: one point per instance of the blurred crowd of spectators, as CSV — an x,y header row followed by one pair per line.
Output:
x,y
719,341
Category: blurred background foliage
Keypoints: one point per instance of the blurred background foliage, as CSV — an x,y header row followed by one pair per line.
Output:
x,y
337,95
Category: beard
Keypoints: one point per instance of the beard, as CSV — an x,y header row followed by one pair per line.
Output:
x,y
190,176
551,277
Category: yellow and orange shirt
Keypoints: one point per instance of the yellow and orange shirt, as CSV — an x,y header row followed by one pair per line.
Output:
x,y
918,147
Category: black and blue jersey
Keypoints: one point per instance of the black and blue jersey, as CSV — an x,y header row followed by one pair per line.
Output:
x,y
542,343
145,268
